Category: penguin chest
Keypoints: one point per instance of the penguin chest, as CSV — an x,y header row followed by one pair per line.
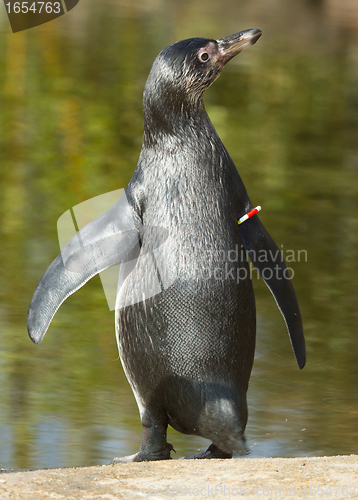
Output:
x,y
186,306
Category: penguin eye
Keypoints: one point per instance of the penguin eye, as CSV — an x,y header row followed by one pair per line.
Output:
x,y
204,56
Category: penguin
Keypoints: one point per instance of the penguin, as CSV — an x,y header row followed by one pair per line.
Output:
x,y
185,310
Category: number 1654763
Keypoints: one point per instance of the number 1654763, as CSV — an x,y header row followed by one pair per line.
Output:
x,y
35,7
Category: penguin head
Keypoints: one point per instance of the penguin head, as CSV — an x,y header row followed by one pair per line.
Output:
x,y
183,71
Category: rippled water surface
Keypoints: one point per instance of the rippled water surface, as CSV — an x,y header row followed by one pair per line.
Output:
x,y
71,129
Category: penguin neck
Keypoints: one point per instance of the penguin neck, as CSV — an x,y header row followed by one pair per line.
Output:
x,y
176,124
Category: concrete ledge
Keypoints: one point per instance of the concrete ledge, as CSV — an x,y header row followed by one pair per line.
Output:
x,y
323,477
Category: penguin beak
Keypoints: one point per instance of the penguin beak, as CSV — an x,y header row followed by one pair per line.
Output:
x,y
232,45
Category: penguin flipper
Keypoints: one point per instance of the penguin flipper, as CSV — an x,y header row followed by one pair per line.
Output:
x,y
98,245
268,261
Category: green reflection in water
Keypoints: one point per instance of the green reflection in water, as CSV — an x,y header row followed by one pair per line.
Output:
x,y
71,127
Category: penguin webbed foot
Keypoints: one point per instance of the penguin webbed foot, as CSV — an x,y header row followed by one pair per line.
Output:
x,y
212,452
146,456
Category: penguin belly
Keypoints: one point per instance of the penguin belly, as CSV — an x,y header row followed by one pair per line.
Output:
x,y
188,351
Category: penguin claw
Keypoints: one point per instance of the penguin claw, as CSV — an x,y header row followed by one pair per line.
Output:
x,y
211,452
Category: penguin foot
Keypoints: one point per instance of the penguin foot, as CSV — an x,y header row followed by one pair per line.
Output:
x,y
145,456
212,452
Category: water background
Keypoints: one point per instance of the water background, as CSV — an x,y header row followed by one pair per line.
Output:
x,y
71,128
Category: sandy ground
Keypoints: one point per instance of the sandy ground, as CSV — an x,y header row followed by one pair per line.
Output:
x,y
324,477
